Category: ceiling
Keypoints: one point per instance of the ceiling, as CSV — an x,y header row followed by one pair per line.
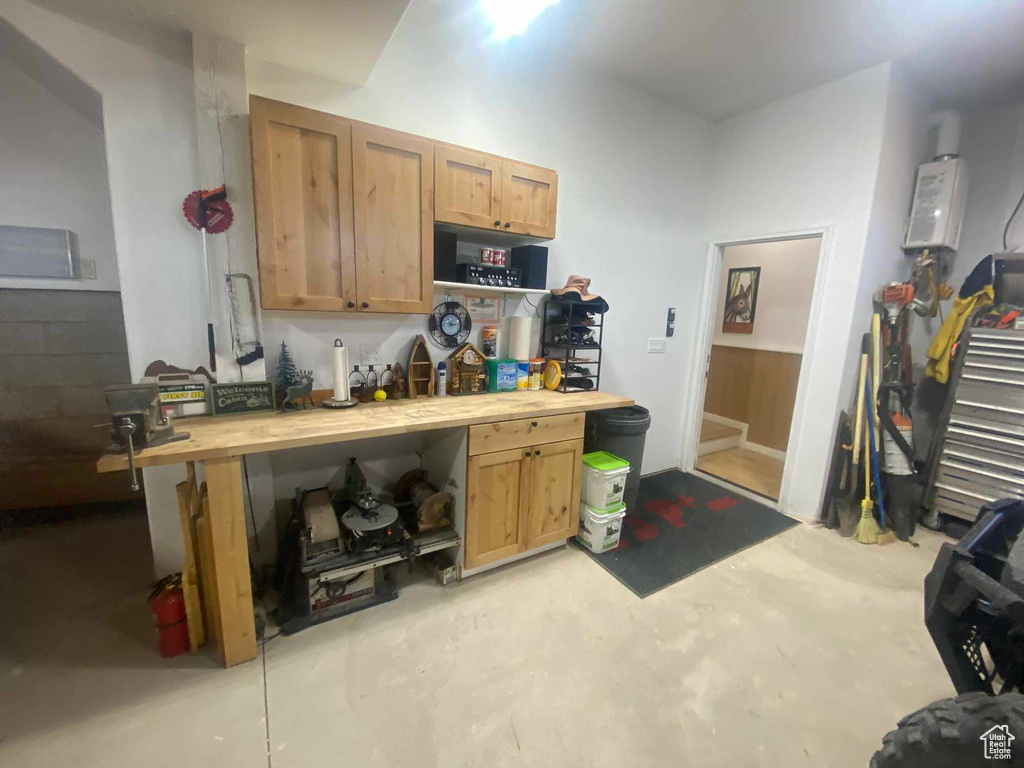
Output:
x,y
339,38
722,57
713,57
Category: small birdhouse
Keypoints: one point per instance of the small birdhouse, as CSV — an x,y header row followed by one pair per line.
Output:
x,y
466,374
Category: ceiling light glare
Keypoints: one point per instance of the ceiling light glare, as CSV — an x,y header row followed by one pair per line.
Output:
x,y
512,17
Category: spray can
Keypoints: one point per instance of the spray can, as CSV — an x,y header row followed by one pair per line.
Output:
x,y
442,380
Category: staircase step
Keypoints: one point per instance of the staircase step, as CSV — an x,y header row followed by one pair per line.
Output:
x,y
713,430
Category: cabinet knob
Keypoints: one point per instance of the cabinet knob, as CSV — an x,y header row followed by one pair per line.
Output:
x,y
366,305
533,423
537,452
351,304
528,453
497,223
508,224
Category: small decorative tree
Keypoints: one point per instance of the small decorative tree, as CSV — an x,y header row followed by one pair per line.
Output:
x,y
287,374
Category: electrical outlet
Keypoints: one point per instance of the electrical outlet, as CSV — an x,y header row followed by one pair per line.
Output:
x,y
371,354
671,314
87,269
656,346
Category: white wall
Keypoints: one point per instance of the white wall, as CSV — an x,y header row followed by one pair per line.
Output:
x,y
632,189
144,77
992,146
54,175
800,163
784,293
904,147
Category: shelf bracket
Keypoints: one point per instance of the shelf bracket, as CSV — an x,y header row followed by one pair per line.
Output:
x,y
504,304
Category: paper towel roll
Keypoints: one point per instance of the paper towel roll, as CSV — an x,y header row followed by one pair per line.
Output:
x,y
520,338
339,361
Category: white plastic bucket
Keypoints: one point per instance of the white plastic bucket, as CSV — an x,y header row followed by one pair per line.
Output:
x,y
603,489
600,531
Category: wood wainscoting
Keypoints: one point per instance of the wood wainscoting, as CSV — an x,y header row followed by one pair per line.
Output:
x,y
756,387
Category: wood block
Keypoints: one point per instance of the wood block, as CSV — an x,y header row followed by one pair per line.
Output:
x,y
225,514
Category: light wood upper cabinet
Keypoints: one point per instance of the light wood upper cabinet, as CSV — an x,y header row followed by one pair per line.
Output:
x,y
302,183
496,506
345,211
554,496
468,186
487,192
393,182
529,199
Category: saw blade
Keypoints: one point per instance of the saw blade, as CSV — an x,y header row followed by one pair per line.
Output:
x,y
218,212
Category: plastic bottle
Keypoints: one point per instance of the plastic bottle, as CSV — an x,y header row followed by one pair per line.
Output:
x,y
442,380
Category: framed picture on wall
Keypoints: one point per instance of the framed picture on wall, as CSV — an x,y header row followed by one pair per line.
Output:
x,y
741,300
483,309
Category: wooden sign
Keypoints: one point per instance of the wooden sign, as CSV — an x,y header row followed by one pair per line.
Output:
x,y
243,397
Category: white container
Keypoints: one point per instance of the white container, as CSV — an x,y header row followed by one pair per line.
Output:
x,y
599,531
604,480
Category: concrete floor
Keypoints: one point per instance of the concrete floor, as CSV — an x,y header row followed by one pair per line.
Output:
x,y
803,650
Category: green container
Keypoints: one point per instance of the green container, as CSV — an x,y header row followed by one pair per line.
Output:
x,y
604,461
604,481
502,375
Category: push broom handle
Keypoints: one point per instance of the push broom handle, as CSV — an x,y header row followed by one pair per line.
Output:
x,y
860,408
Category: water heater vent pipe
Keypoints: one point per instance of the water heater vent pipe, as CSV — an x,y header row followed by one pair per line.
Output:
x,y
947,145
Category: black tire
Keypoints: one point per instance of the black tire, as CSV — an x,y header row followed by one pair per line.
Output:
x,y
947,733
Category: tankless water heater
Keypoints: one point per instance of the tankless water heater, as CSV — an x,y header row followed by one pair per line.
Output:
x,y
938,210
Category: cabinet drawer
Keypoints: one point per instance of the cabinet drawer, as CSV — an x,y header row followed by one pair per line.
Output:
x,y
505,435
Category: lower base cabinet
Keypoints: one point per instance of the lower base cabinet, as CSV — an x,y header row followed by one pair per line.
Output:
x,y
520,499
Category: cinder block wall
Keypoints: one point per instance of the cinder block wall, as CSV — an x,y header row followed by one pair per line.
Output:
x,y
58,349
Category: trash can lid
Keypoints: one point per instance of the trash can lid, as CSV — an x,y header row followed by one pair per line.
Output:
x,y
604,461
635,416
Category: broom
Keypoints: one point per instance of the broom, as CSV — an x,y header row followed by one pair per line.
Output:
x,y
848,516
867,529
885,535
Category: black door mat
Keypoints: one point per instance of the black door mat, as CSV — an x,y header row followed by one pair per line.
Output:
x,y
683,524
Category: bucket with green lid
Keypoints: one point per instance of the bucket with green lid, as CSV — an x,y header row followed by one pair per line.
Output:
x,y
604,480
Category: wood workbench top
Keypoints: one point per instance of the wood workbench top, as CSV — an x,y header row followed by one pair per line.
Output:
x,y
222,436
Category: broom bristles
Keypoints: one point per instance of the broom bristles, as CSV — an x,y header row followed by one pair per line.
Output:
x,y
888,536
867,528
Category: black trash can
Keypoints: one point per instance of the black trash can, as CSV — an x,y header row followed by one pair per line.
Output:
x,y
621,432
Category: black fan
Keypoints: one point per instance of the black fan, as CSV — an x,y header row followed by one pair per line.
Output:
x,y
450,324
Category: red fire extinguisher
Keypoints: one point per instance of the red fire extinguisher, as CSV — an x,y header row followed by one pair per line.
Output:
x,y
167,602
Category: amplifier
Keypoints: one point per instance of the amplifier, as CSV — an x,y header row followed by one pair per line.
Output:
x,y
484,274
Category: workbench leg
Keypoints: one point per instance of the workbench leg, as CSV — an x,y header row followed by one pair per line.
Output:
x,y
230,552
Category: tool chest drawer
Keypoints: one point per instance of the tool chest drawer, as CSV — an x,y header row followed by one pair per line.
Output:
x,y
521,433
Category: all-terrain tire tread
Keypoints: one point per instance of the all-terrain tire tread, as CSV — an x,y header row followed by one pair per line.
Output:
x,y
947,732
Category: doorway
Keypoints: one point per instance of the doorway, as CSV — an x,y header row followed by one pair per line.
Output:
x,y
760,310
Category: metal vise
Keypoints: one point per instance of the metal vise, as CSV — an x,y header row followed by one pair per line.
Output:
x,y
136,422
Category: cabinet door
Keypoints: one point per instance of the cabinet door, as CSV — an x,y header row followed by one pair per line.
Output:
x,y
393,175
468,186
497,485
529,199
302,184
554,492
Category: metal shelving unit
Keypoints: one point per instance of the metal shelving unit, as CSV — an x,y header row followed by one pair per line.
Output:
x,y
564,316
